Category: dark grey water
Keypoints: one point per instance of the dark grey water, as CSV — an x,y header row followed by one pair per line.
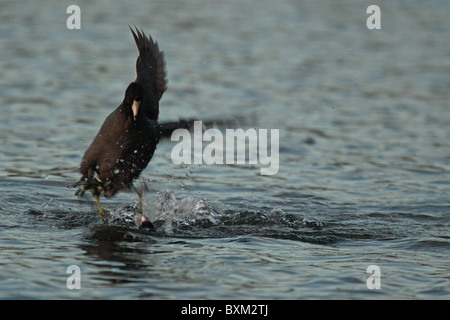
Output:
x,y
364,175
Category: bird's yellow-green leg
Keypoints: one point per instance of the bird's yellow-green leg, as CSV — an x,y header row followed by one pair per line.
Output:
x,y
95,194
98,204
140,204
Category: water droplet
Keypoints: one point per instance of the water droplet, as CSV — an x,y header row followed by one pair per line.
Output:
x,y
116,171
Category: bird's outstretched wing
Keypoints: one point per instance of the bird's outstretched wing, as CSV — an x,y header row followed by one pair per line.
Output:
x,y
150,72
167,128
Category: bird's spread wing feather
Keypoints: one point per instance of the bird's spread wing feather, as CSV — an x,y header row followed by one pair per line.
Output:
x,y
150,72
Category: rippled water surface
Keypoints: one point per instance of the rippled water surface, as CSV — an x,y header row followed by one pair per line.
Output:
x,y
364,174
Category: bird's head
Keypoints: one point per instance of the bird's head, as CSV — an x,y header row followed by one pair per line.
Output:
x,y
133,97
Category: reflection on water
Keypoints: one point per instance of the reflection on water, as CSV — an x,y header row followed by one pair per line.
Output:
x,y
364,162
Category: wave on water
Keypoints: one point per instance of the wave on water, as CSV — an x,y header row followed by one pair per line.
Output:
x,y
180,215
194,217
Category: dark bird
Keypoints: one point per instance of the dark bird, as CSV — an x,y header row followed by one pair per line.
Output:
x,y
128,137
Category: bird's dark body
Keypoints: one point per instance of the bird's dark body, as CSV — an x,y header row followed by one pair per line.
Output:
x,y
121,150
128,137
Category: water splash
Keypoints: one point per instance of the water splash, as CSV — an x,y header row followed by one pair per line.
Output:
x,y
171,213
191,216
